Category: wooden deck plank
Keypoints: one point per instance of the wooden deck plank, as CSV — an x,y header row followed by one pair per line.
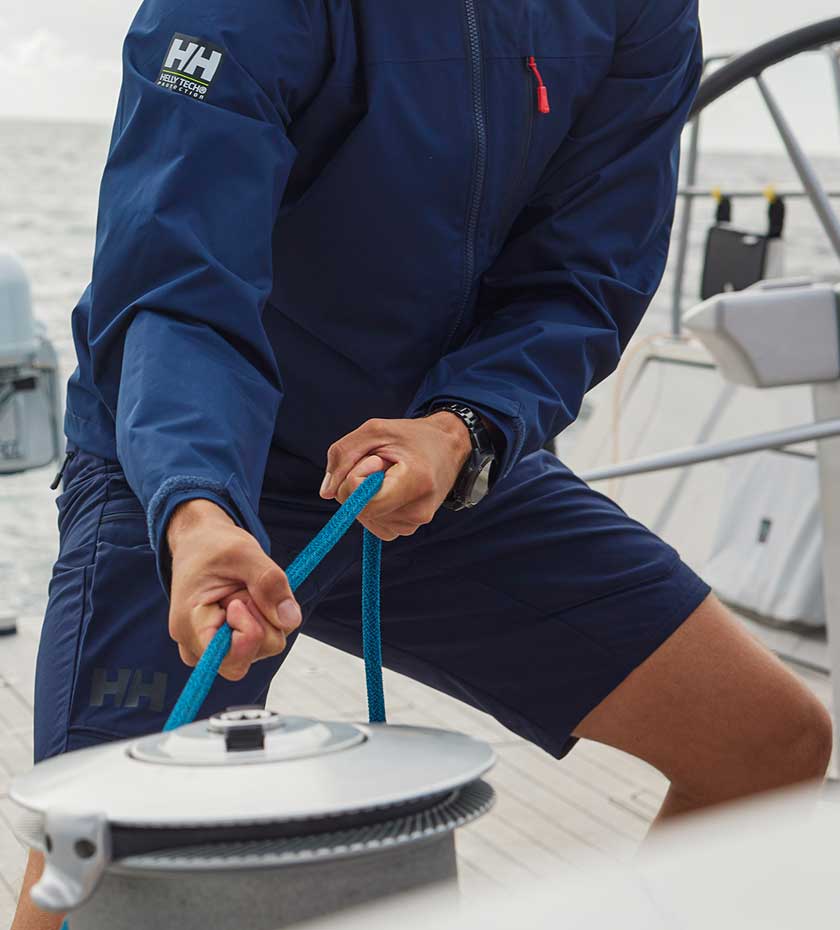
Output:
x,y
621,766
17,661
12,853
15,756
587,816
487,854
15,715
550,841
513,843
472,881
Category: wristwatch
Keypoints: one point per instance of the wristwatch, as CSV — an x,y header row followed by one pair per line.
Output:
x,y
473,484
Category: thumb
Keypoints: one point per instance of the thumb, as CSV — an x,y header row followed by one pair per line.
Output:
x,y
392,496
271,593
368,466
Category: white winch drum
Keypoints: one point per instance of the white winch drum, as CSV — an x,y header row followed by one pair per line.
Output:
x,y
249,819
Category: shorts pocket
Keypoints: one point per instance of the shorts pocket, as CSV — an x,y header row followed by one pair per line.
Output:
x,y
55,677
128,668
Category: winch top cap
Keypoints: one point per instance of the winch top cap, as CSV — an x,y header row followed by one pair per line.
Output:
x,y
250,765
246,735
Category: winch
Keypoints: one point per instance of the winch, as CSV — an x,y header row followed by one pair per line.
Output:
x,y
30,399
249,819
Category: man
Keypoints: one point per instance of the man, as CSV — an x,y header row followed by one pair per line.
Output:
x,y
403,236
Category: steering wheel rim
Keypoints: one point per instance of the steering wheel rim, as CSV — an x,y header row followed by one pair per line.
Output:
x,y
750,64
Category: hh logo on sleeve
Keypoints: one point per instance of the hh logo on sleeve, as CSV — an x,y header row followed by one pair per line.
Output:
x,y
191,65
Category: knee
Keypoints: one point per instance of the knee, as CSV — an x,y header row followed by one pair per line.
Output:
x,y
812,749
798,749
782,749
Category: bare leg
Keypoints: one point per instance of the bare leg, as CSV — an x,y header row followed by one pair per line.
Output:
x,y
28,917
717,714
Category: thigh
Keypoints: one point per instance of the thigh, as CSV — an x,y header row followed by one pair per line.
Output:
x,y
711,710
533,607
107,668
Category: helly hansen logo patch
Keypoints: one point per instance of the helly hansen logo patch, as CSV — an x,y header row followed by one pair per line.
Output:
x,y
127,687
190,66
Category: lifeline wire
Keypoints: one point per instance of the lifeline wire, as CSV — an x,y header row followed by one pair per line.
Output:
x,y
201,681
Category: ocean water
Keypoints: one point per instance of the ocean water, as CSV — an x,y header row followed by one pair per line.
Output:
x,y
49,177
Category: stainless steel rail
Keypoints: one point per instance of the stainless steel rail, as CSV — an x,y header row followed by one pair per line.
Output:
x,y
755,193
820,37
712,452
804,168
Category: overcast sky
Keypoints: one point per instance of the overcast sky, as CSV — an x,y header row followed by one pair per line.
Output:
x,y
60,60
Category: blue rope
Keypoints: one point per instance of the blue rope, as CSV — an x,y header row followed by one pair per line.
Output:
x,y
204,675
371,626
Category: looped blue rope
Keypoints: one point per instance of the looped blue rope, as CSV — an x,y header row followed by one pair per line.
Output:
x,y
201,681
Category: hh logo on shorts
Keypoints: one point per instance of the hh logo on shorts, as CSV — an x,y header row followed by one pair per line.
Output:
x,y
127,687
191,65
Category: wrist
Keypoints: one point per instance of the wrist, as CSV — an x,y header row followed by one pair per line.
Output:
x,y
457,432
191,515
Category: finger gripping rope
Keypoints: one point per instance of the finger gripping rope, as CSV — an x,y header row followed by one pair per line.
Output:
x,y
201,681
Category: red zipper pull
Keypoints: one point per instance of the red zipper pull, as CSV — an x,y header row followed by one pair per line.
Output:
x,y
542,90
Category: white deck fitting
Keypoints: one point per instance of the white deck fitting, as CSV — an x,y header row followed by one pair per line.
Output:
x,y
551,818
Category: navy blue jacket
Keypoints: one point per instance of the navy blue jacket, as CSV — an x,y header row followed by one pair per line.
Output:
x,y
315,212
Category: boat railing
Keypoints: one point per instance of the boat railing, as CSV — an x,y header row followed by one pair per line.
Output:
x,y
717,451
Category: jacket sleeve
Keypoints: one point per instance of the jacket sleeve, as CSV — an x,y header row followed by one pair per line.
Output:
x,y
183,264
587,254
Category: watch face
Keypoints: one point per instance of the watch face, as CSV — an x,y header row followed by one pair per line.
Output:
x,y
481,487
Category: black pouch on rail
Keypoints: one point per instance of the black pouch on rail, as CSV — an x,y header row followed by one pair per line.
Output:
x,y
735,258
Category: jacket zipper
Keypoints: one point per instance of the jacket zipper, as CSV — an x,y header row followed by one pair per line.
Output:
x,y
479,162
542,91
521,161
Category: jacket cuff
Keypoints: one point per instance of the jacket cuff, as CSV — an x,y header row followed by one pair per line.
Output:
x,y
499,411
182,488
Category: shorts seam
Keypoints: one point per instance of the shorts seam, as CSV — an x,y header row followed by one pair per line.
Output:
x,y
654,579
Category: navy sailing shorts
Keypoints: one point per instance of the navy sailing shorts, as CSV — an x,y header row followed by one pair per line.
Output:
x,y
532,607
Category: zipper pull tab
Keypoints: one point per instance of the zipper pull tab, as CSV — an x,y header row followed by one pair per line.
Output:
x,y
60,476
542,91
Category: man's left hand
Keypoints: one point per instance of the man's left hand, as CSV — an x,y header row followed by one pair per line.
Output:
x,y
422,460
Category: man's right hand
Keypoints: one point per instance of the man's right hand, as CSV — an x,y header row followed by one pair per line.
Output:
x,y
220,573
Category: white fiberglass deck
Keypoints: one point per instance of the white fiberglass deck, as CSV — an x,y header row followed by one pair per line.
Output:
x,y
551,817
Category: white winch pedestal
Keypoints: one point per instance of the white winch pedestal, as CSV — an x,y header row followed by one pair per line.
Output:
x,y
249,819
